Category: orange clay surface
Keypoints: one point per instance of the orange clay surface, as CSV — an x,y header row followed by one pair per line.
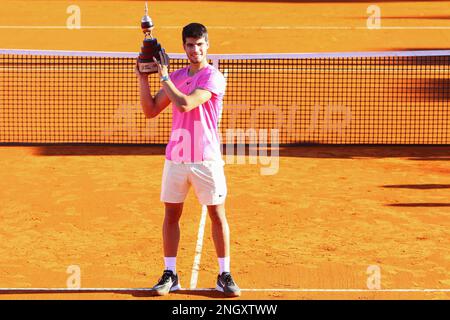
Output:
x,y
318,223
328,214
234,27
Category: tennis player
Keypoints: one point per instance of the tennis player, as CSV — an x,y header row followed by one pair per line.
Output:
x,y
193,155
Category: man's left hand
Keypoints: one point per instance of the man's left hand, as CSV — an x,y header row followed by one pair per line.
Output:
x,y
163,64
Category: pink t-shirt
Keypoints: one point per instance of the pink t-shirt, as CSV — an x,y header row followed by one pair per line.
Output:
x,y
194,136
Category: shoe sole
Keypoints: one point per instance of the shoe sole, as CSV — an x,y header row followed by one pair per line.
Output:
x,y
228,294
163,293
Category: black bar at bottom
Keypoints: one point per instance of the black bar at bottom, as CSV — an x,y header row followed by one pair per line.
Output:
x,y
226,309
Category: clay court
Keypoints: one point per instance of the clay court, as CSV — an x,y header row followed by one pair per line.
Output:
x,y
309,231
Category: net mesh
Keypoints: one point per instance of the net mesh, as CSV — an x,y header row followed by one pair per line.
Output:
x,y
74,97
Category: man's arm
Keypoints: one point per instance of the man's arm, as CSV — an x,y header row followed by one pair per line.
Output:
x,y
185,103
181,101
151,106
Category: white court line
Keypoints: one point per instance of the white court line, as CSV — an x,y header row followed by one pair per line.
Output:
x,y
198,248
346,290
356,54
212,289
241,27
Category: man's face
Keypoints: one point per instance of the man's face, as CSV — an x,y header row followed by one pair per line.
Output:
x,y
196,49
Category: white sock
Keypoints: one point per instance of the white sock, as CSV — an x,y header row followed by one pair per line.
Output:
x,y
170,263
224,264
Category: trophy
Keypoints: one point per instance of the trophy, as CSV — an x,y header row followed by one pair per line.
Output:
x,y
150,48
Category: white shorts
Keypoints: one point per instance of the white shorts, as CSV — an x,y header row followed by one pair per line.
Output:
x,y
207,178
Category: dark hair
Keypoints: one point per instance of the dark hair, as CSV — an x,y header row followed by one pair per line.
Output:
x,y
194,30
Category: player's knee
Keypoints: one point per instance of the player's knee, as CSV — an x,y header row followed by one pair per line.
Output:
x,y
218,216
171,219
172,216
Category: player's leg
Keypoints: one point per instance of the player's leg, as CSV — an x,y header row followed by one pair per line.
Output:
x,y
221,237
175,187
171,237
220,232
171,232
208,180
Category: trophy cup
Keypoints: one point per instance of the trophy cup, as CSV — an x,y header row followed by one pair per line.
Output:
x,y
150,48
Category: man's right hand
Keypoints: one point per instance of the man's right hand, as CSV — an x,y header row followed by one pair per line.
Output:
x,y
140,75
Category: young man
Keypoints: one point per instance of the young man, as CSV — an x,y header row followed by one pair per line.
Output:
x,y
193,154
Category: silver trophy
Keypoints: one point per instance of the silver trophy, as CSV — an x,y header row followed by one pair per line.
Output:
x,y
150,48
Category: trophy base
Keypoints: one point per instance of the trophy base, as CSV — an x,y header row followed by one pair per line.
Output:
x,y
148,67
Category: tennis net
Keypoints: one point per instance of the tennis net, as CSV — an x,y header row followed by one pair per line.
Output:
x,y
343,98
